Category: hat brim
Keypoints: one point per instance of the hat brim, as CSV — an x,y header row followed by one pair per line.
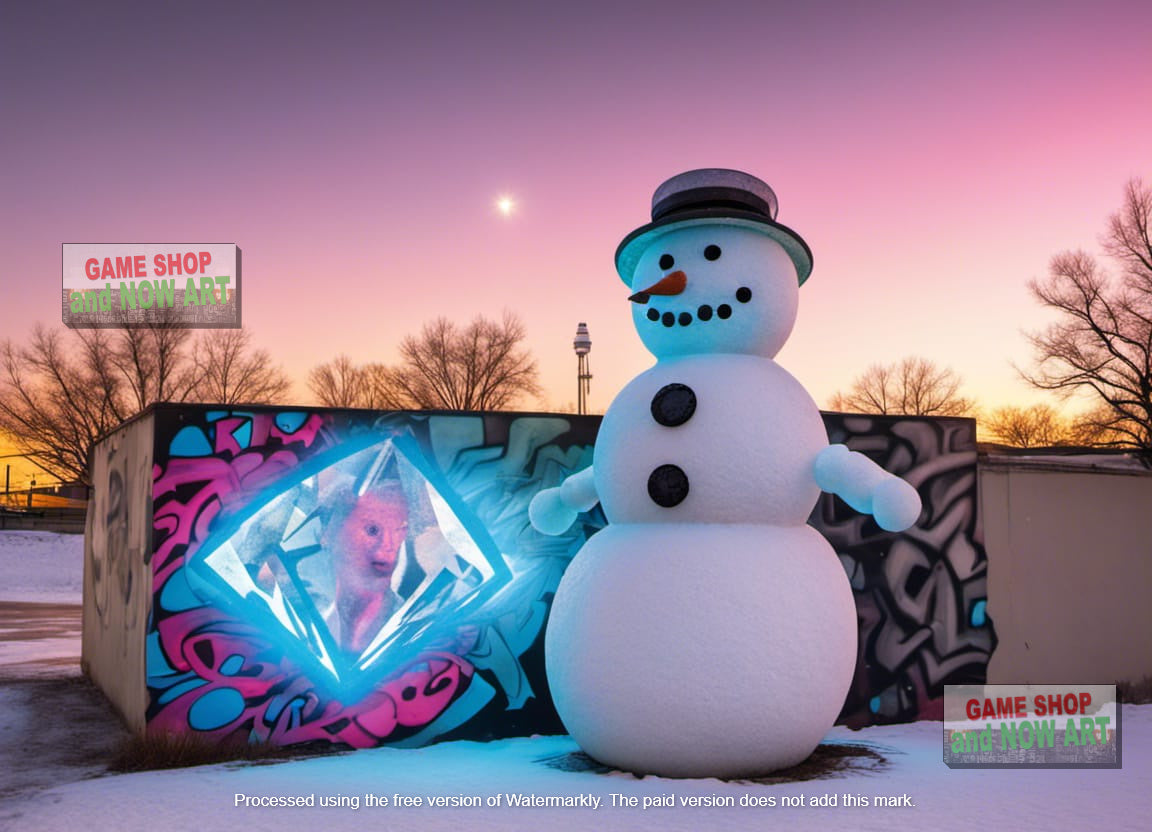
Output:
x,y
629,251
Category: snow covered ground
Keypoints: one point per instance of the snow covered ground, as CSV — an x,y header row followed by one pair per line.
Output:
x,y
941,799
45,567
41,583
45,792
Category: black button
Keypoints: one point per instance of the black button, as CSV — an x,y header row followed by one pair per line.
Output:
x,y
673,405
667,486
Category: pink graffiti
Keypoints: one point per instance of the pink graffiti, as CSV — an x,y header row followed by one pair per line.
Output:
x,y
264,427
275,700
280,704
227,485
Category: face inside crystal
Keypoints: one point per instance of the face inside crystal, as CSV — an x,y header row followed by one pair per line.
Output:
x,y
364,559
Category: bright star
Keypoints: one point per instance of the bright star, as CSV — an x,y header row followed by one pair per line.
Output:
x,y
505,205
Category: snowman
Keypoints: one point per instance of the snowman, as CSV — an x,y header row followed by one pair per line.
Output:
x,y
708,631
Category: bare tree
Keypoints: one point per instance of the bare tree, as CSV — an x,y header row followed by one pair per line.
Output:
x,y
478,367
1102,342
62,391
232,372
381,388
1037,426
1098,426
58,396
912,387
152,359
340,383
337,383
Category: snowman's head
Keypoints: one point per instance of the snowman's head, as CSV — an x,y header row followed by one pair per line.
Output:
x,y
714,287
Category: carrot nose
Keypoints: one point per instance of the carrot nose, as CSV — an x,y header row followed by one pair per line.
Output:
x,y
670,284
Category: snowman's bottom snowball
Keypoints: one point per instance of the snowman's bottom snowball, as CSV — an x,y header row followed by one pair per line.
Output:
x,y
701,650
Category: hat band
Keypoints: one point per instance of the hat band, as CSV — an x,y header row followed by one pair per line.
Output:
x,y
695,199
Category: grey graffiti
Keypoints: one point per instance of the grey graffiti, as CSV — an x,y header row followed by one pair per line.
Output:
x,y
919,594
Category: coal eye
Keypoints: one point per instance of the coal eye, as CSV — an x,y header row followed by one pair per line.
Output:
x,y
712,253
666,261
372,530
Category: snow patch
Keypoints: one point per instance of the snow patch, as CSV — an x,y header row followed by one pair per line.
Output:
x,y
43,567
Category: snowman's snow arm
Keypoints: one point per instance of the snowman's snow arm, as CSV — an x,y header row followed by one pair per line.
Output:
x,y
553,510
867,487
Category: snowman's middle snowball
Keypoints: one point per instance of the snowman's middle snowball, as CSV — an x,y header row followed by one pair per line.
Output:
x,y
748,449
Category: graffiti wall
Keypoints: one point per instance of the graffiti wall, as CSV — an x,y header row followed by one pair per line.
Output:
x,y
117,579
921,595
354,578
361,578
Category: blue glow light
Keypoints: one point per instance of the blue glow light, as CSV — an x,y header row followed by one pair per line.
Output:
x,y
277,564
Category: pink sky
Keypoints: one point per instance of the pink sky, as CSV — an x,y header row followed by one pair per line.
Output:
x,y
933,155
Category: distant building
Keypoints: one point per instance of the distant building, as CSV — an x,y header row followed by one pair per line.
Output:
x,y
1069,538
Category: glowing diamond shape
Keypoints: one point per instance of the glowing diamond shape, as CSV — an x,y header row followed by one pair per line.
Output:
x,y
359,562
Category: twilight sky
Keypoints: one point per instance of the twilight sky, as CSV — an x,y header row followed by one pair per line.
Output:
x,y
933,155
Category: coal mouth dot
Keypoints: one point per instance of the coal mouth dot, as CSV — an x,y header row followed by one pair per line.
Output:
x,y
704,312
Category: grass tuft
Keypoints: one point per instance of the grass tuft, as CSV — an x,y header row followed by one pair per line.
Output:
x,y
149,753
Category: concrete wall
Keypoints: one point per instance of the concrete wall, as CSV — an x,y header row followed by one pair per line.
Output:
x,y
117,579
1070,571
198,514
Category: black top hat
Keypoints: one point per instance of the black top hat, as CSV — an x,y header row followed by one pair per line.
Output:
x,y
713,196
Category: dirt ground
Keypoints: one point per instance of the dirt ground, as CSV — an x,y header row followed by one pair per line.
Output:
x,y
55,726
24,621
